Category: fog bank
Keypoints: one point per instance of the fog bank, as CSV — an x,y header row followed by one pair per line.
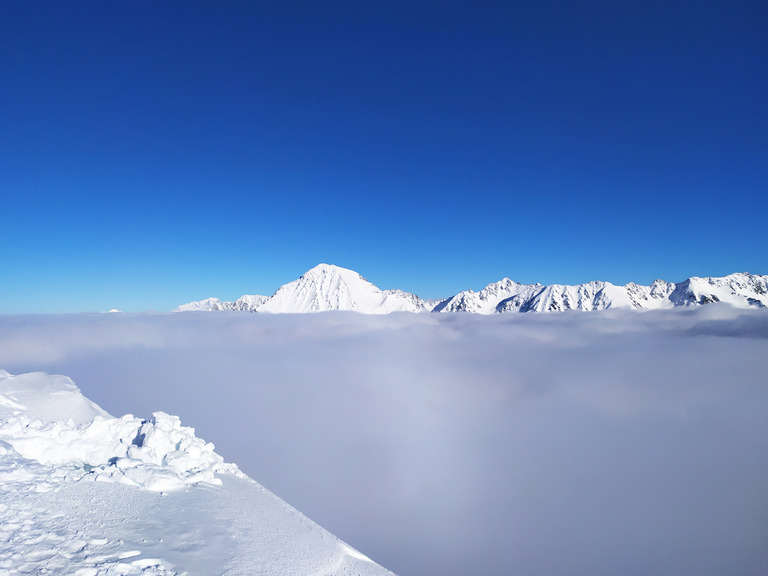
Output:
x,y
571,443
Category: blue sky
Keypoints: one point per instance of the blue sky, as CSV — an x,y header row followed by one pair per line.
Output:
x,y
153,153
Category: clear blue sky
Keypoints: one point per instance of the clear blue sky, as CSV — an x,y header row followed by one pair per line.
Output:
x,y
153,153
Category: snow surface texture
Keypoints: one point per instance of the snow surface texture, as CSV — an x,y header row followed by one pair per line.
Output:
x,y
87,494
326,288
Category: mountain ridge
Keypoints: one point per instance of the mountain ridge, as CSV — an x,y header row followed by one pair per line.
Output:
x,y
329,288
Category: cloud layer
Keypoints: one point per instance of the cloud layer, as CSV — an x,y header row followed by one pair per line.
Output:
x,y
574,443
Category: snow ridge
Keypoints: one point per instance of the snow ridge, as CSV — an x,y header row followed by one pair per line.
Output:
x,y
740,290
327,287
158,454
246,303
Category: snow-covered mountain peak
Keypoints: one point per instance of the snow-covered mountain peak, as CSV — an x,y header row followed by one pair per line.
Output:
x,y
594,295
323,269
206,305
486,300
503,285
740,289
326,287
246,303
329,277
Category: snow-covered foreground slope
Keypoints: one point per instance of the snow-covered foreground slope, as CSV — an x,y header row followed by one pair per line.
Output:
x,y
326,287
87,494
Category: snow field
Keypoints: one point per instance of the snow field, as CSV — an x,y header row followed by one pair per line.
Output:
x,y
35,538
108,496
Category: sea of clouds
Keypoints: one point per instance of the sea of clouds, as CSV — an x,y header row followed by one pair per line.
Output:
x,y
573,443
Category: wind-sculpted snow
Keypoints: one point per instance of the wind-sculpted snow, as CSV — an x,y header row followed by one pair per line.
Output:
x,y
74,497
44,398
158,454
326,288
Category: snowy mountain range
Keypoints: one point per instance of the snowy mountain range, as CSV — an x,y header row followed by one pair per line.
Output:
x,y
326,287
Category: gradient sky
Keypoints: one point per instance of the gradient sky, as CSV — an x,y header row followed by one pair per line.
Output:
x,y
153,153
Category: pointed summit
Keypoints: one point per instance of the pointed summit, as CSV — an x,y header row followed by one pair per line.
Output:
x,y
327,287
324,268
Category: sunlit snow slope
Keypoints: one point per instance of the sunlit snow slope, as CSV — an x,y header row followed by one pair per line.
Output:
x,y
87,494
326,287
